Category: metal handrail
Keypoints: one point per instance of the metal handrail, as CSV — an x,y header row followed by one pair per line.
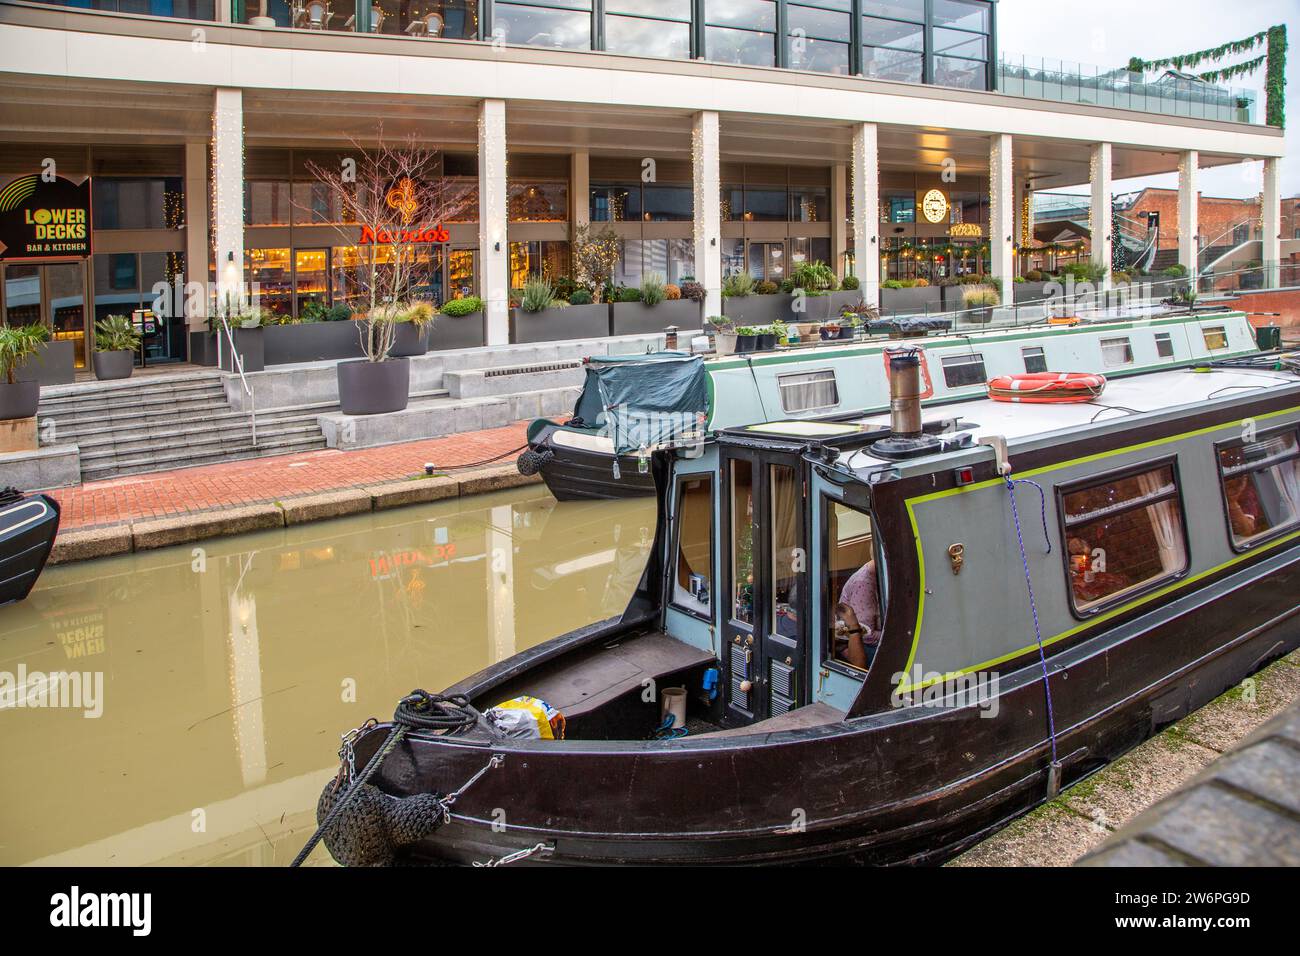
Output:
x,y
1201,266
237,363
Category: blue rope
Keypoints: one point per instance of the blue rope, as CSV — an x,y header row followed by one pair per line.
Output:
x,y
1033,606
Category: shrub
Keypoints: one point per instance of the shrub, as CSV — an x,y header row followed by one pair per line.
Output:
x,y
1018,279
1122,278
891,284
969,279
692,290
767,287
1034,275
653,288
813,276
538,294
418,314
461,307
921,284
627,294
721,323
672,293
115,333
787,285
337,313
779,329
979,297
312,311
580,296
18,343
565,286
849,283
738,285
1176,271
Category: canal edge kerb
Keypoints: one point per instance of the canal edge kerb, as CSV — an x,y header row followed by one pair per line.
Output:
x,y
147,534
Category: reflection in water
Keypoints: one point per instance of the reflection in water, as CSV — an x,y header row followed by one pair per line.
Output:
x,y
230,670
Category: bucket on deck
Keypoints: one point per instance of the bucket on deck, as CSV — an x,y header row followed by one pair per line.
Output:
x,y
673,701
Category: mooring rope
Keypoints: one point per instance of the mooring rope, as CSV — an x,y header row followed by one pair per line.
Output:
x,y
1033,606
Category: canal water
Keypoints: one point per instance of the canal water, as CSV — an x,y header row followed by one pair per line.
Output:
x,y
230,669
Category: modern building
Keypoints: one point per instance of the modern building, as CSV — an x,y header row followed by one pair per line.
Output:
x,y
885,138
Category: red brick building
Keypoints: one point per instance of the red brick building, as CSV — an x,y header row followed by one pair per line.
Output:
x,y
1223,222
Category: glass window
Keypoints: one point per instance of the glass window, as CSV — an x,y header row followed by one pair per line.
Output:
x,y
806,391
1216,338
750,14
963,14
1122,535
182,9
962,370
957,43
789,561
1164,345
643,37
1035,360
693,581
543,26
267,203
810,204
544,259
819,56
315,204
852,612
615,203
809,250
891,33
742,541
733,257
733,203
901,66
668,203
138,203
670,258
22,294
1261,486
664,9
270,274
1116,352
117,283
350,277
765,205
311,279
538,202
960,74
740,46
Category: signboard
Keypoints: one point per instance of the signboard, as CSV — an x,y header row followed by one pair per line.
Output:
x,y
45,219
967,230
934,206
405,201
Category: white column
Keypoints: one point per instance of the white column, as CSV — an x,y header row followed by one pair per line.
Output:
x,y
1001,221
228,193
706,175
493,248
1188,210
839,218
866,211
1271,214
197,232
579,188
1102,180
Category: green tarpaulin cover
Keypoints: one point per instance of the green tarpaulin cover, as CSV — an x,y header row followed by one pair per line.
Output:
x,y
643,399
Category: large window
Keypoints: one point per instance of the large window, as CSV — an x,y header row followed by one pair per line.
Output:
x,y
740,31
808,391
674,259
961,43
538,201
156,203
789,562
693,578
649,27
1261,486
563,24
183,9
893,41
1123,535
852,609
742,541
818,33
1116,352
960,371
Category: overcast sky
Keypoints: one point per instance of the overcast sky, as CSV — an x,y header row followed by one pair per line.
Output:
x,y
1107,32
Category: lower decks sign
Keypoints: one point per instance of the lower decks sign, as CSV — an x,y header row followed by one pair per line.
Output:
x,y
45,218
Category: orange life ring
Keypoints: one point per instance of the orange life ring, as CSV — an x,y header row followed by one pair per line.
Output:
x,y
1047,387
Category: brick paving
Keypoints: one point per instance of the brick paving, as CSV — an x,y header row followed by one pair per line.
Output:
x,y
189,490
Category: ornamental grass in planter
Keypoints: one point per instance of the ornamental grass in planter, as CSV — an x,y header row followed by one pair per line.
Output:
x,y
18,344
379,382
653,307
115,343
411,333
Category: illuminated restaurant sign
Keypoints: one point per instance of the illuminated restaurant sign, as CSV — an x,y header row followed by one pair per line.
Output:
x,y
44,218
402,198
934,206
970,230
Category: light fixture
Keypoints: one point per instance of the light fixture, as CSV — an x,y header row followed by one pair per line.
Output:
x,y
230,256
496,246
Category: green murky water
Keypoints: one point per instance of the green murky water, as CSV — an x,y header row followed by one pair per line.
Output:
x,y
230,671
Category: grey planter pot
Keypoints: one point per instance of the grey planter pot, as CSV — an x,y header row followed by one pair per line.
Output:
x,y
1028,291
114,365
373,388
458,331
310,342
20,400
757,310
203,348
54,364
251,344
555,325
409,339
635,318
912,301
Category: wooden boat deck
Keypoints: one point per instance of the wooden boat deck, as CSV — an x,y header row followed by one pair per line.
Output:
x,y
814,715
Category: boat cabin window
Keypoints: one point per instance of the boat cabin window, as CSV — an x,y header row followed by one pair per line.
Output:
x,y
742,544
1164,345
962,370
805,391
1123,535
853,612
1216,338
693,575
788,558
1116,352
1035,360
1261,486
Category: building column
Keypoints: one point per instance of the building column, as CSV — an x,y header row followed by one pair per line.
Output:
x,y
839,218
579,188
228,194
866,212
197,232
1188,210
493,247
1101,178
1002,200
1271,220
706,175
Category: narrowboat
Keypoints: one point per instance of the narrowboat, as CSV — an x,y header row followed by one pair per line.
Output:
x,y
602,450
28,524
876,639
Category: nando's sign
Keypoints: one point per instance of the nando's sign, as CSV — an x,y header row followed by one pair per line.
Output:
x,y
403,200
44,218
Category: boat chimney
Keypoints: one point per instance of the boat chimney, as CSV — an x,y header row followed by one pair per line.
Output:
x,y
905,393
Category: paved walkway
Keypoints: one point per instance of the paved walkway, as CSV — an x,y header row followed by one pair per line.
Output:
x,y
189,490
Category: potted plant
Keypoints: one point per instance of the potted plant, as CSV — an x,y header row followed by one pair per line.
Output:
x,y
724,335
245,326
115,343
746,339
459,324
542,317
653,307
978,302
18,343
767,338
411,335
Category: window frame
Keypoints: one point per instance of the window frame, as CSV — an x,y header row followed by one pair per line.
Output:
x,y
1024,357
1128,344
825,650
678,483
780,390
1126,596
1219,330
943,366
1228,443
1168,339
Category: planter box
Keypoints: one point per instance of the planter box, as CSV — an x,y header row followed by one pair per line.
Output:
x,y
634,318
311,342
113,365
252,349
374,388
409,339
20,400
1029,291
458,332
555,325
756,310
912,301
203,348
55,364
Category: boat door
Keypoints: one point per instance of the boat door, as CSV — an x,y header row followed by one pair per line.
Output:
x,y
767,578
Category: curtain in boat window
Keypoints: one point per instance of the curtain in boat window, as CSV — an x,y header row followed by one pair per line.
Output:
x,y
1261,483
788,559
804,391
1164,523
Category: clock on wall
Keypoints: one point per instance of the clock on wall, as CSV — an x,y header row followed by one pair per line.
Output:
x,y
934,206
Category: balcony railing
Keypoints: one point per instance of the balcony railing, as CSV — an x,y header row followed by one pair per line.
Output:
x,y
1170,94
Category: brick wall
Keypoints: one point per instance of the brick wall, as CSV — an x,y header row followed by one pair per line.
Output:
x,y
1216,216
1285,301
